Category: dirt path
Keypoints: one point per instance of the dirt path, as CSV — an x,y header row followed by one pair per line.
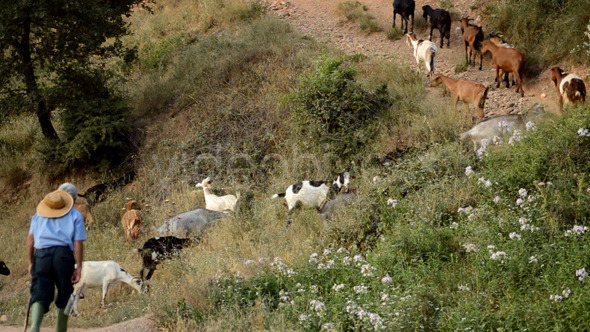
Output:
x,y
141,324
320,19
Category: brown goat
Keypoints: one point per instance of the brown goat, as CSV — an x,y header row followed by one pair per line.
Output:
x,y
131,221
497,39
84,210
472,37
570,87
469,92
509,60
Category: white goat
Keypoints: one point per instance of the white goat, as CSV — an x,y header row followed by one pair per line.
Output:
x,y
105,274
217,203
492,127
424,50
313,193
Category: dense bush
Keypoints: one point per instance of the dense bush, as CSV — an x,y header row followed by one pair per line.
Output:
x,y
334,114
96,127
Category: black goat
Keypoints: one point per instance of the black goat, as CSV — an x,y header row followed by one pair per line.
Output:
x,y
157,249
4,269
96,193
405,8
439,19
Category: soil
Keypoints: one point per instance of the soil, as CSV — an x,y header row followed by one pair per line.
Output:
x,y
141,324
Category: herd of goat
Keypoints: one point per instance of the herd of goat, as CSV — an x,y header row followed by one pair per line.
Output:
x,y
506,59
326,196
185,229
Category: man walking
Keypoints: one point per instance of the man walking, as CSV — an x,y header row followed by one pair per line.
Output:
x,y
54,245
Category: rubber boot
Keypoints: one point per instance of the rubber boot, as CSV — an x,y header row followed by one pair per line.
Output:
x,y
61,324
37,312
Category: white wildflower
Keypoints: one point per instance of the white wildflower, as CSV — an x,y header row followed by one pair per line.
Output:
x,y
482,151
566,293
522,192
318,306
485,142
327,252
519,201
387,279
313,289
530,126
362,289
376,178
583,132
581,274
341,250
491,247
497,199
576,230
376,321
555,297
468,171
466,210
392,202
499,256
533,259
497,140
346,260
514,235
303,318
367,270
313,258
338,287
328,327
470,247
359,258
384,297
464,288
454,225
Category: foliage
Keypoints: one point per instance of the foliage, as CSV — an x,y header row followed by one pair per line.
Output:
x,y
547,31
42,43
335,114
96,124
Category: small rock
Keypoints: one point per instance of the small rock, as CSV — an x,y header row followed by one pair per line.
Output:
x,y
5,318
543,95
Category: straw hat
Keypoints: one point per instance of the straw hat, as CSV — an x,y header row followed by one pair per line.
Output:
x,y
55,204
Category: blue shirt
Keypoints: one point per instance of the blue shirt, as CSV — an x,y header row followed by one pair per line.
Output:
x,y
62,231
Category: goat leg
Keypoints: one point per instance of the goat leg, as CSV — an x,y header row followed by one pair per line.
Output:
x,y
480,60
497,77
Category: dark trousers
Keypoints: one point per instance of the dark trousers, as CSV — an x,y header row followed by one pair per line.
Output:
x,y
52,267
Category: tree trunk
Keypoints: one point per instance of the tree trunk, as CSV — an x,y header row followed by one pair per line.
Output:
x,y
43,113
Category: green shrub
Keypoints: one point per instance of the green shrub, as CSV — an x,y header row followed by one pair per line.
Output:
x,y
355,11
394,33
547,31
96,128
333,113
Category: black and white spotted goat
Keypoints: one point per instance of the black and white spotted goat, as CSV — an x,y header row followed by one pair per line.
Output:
x,y
314,193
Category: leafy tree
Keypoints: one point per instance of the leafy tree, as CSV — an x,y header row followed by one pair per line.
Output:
x,y
42,40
